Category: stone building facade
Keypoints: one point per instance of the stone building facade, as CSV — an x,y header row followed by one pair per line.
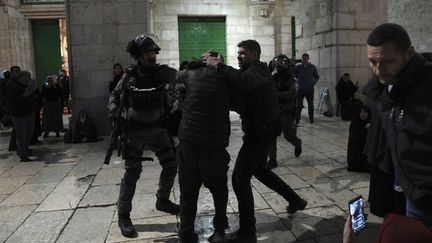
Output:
x,y
333,32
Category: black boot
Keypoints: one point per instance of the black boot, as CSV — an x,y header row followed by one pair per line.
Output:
x,y
271,164
165,205
297,150
300,204
126,227
124,205
245,237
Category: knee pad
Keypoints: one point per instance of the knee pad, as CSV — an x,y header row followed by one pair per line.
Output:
x,y
131,176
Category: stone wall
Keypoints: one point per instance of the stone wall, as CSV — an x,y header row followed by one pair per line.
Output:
x,y
333,33
415,16
99,32
16,46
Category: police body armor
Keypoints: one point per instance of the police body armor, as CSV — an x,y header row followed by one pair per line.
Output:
x,y
147,99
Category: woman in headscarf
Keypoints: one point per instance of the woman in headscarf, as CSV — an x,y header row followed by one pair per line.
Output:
x,y
357,137
117,74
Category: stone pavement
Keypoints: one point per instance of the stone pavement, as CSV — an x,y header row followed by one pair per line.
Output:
x,y
68,195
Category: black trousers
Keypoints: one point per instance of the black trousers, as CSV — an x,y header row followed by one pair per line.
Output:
x,y
198,165
309,95
289,130
251,161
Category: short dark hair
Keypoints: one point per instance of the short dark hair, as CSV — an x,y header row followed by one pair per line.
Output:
x,y
390,33
305,54
15,67
251,45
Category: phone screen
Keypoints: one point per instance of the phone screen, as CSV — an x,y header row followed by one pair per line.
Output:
x,y
358,220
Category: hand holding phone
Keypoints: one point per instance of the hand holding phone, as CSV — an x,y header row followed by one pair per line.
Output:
x,y
358,219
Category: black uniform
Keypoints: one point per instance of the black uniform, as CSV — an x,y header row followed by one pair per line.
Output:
x,y
287,95
260,125
146,91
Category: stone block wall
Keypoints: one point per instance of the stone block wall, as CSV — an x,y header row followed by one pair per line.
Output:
x,y
415,16
99,32
334,33
16,46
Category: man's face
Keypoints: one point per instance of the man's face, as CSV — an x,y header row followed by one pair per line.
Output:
x,y
245,57
117,70
149,58
305,59
346,78
15,72
386,61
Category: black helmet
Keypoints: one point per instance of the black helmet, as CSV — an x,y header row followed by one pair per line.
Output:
x,y
280,62
142,43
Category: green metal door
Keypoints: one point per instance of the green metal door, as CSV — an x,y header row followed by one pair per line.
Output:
x,y
197,35
46,46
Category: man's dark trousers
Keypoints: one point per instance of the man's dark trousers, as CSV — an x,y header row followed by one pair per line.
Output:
x,y
309,95
198,165
251,160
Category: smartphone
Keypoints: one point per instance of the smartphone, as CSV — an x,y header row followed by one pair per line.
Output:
x,y
358,219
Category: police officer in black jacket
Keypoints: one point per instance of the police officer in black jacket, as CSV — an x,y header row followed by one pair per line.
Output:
x,y
259,124
146,109
287,94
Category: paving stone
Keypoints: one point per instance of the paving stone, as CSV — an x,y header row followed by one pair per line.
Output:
x,y
204,225
314,198
92,224
354,181
66,195
270,228
88,166
29,194
306,172
51,173
318,222
9,185
4,169
109,175
3,197
24,169
148,228
41,227
362,192
100,195
292,180
11,218
148,185
326,165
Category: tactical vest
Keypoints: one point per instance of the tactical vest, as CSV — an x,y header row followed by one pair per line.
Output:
x,y
146,92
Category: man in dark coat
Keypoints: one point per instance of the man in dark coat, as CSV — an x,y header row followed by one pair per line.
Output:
x,y
345,90
201,154
259,124
401,87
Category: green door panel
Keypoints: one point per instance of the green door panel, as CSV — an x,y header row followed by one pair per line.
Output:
x,y
46,46
197,35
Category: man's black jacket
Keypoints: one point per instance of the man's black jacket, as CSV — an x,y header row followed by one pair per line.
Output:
x,y
259,91
406,115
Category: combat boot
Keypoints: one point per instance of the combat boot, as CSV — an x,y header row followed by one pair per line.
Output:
x,y
298,150
245,237
165,205
126,227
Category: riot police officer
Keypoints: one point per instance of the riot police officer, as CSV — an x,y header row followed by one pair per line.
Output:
x,y
144,85
287,94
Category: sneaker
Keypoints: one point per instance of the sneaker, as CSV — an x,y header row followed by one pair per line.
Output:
x,y
297,150
165,205
300,205
271,164
126,227
243,237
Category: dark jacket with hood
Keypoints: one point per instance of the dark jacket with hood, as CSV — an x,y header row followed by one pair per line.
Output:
x,y
205,119
406,115
259,90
